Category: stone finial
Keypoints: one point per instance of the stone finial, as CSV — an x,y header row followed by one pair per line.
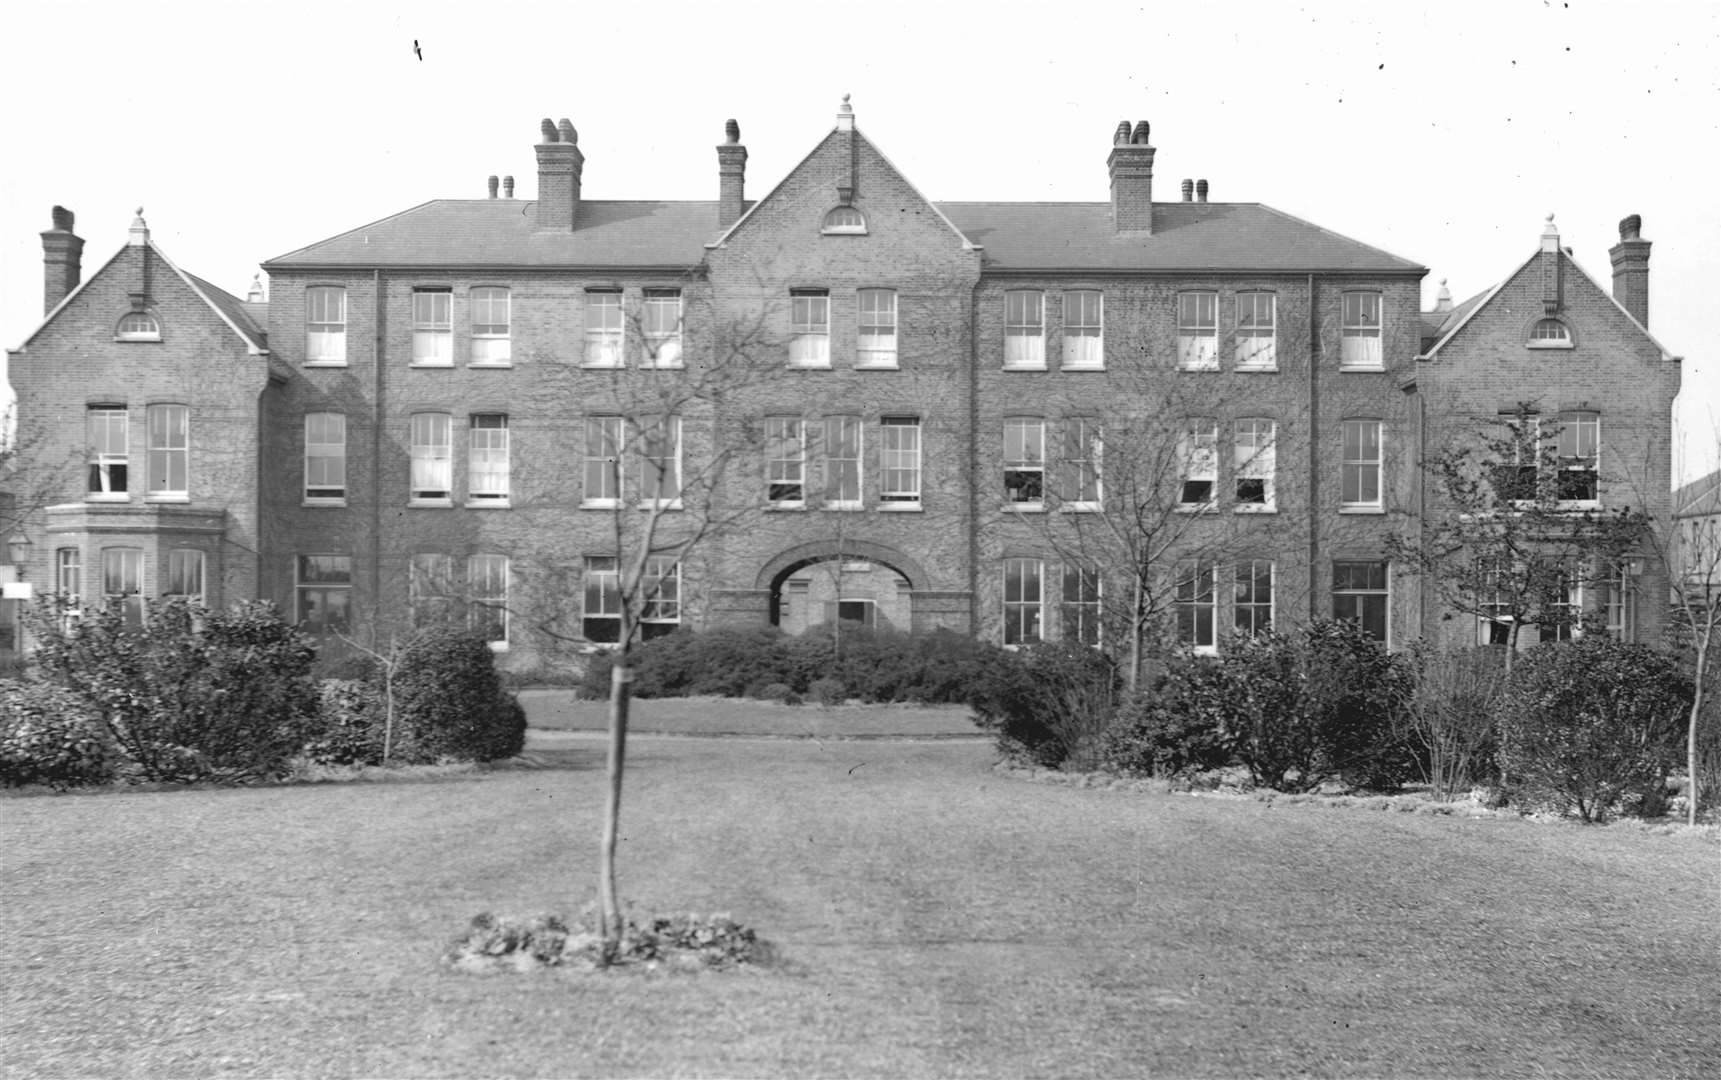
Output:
x,y
139,233
1443,298
731,132
1631,227
254,295
569,135
1121,136
1139,136
547,131
845,116
1550,235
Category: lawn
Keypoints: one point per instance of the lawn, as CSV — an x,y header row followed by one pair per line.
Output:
x,y
938,919
561,710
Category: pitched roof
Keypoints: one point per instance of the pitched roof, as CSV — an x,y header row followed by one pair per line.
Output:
x,y
500,232
1186,236
1700,497
1015,236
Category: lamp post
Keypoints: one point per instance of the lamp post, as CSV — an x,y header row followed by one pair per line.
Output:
x,y
18,551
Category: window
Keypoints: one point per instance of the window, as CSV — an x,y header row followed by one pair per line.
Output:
x,y
122,581
1195,604
1079,466
601,616
842,462
1579,456
1563,608
1360,342
1080,611
1359,595
663,328
1022,601
432,458
1494,609
1252,600
1199,451
1359,471
1198,331
325,457
109,453
1084,330
901,461
1024,463
864,612
1619,600
1024,330
785,462
660,595
487,451
809,328
1254,465
491,325
169,442
325,590
430,590
602,472
1255,332
660,462
1516,480
325,325
433,327
69,581
1550,334
603,329
487,593
844,219
138,326
184,574
876,343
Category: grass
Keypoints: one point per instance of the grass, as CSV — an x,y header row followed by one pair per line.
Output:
x,y
938,919
561,710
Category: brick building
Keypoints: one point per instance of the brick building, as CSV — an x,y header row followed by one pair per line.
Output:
x,y
952,410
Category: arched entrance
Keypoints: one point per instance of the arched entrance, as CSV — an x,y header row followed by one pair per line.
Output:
x,y
820,583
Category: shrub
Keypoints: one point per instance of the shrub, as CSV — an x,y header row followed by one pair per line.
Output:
x,y
1050,704
190,694
350,724
1586,724
449,701
827,691
1174,728
1357,691
782,692
49,735
1454,698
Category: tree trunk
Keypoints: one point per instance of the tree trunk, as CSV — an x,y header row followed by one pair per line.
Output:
x,y
1135,640
1691,783
610,918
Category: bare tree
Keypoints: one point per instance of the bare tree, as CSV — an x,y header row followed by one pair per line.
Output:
x,y
1515,529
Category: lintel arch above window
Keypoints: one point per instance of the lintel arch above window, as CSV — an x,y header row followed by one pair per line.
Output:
x,y
138,326
1550,333
844,220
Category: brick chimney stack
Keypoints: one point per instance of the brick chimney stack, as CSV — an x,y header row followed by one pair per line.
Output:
x,y
1131,169
731,176
62,258
1630,269
560,165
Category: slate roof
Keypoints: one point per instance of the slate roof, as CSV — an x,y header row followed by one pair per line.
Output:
x,y
237,311
1015,236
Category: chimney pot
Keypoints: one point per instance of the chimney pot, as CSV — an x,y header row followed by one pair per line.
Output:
x,y
1121,136
1130,166
62,259
547,131
1631,269
491,185
731,132
1188,190
731,176
507,187
1200,191
1139,137
560,167
569,135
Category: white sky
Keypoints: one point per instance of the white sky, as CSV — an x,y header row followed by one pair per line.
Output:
x,y
1444,134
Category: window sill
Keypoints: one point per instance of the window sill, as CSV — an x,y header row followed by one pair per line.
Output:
x,y
482,364
1362,510
1024,507
1023,367
1253,509
1082,367
600,504
600,365
138,340
488,504
899,507
658,504
1576,505
107,497
1549,344
1377,368
169,498
676,366
1194,508
1256,369
878,365
324,502
434,504
804,366
431,364
1198,367
785,507
1081,507
325,363
843,507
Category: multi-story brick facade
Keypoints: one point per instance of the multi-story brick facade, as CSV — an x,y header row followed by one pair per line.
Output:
x,y
939,405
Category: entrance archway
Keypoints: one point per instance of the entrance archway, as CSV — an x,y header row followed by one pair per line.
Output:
x,y
823,582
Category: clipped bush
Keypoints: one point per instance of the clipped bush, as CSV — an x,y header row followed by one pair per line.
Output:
x,y
493,941
1588,724
1174,729
1357,692
188,694
449,701
49,735
1049,704
827,691
780,692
